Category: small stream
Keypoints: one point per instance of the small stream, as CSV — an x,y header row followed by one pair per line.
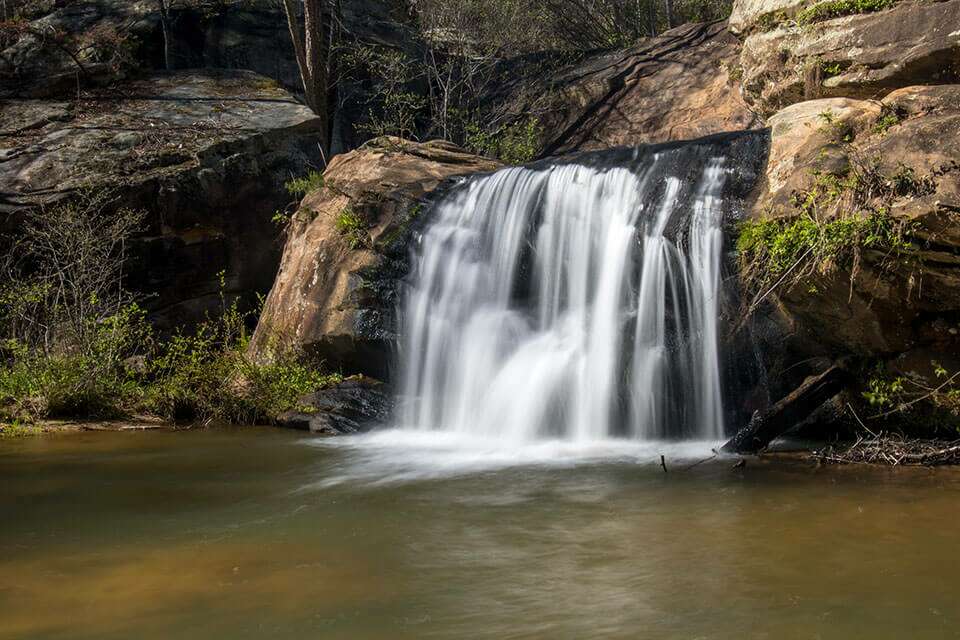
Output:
x,y
257,533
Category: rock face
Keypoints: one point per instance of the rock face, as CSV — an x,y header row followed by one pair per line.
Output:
x,y
892,308
346,250
204,153
858,56
673,87
749,14
97,43
356,404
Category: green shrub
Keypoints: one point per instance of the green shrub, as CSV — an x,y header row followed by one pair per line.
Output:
x,y
299,187
350,224
838,8
888,118
515,143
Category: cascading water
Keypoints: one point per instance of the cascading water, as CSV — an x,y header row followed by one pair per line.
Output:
x,y
571,301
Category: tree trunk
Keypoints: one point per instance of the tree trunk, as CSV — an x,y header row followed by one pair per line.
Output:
x,y
165,27
790,411
669,7
311,49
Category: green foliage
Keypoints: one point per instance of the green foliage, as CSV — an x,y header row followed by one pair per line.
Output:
x,y
770,20
835,219
516,143
93,382
394,106
350,224
887,119
831,69
883,392
198,376
836,130
299,187
838,8
921,404
782,244
208,375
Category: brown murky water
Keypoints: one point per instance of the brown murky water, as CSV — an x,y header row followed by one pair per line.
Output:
x,y
266,534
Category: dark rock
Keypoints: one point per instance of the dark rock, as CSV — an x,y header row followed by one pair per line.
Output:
x,y
355,405
204,153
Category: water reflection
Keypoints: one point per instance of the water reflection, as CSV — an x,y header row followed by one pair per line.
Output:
x,y
265,534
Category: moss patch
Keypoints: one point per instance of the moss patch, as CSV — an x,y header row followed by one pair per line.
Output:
x,y
839,8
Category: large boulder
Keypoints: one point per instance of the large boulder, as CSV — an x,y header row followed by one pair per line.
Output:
x,y
347,249
910,141
856,56
673,87
206,154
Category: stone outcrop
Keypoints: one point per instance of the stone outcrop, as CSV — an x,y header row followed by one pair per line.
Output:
x,y
82,44
891,308
858,56
357,404
347,248
673,87
204,153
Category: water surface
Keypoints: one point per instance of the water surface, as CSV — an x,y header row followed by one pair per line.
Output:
x,y
267,534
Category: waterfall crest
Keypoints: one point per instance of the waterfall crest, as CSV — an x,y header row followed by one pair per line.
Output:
x,y
571,301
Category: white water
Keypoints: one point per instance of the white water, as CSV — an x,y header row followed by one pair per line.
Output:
x,y
569,303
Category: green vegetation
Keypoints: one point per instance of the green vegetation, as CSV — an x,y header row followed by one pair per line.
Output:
x,y
515,143
837,218
199,376
771,20
303,185
838,8
888,118
75,344
350,224
928,405
782,244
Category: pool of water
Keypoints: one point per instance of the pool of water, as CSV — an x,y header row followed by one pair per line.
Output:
x,y
256,533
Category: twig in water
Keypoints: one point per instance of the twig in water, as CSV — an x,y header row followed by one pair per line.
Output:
x,y
663,463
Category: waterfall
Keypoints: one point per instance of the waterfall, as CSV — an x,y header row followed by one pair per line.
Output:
x,y
571,301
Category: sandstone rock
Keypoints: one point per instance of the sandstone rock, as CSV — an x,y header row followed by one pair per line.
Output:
x,y
205,153
889,307
673,87
747,14
335,293
858,56
356,404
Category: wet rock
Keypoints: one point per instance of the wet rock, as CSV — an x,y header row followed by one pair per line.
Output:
x,y
357,404
347,249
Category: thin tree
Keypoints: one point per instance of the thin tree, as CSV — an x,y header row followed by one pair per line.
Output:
x,y
312,50
670,19
165,27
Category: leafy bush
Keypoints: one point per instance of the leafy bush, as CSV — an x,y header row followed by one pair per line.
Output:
x,y
515,143
75,344
299,187
350,224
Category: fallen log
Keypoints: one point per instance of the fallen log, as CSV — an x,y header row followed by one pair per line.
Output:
x,y
765,426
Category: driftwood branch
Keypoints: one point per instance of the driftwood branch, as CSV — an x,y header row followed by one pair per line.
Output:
x,y
787,413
